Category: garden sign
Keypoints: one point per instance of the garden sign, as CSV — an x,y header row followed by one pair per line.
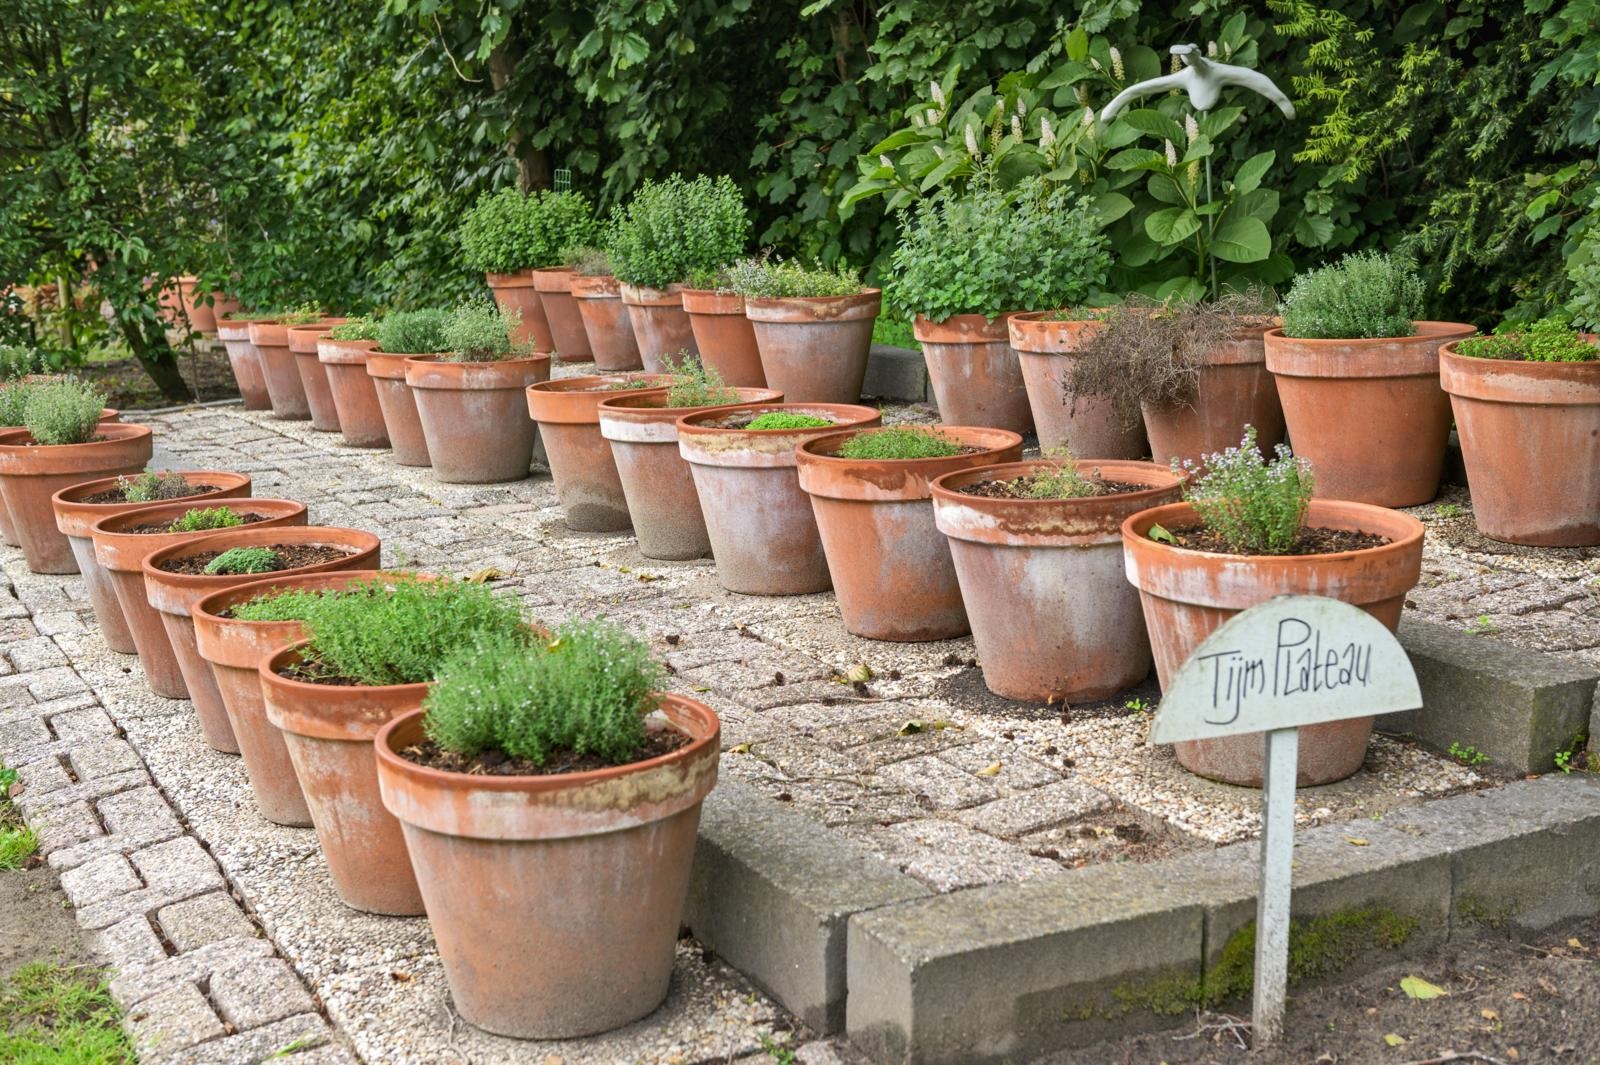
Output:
x,y
1292,661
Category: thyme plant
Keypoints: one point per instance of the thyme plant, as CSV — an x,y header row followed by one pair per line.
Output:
x,y
481,332
1257,507
63,411
1547,340
153,487
412,332
678,230
900,442
245,560
783,419
1364,295
695,384
202,519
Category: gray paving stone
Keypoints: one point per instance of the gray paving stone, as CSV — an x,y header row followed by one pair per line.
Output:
x,y
304,1039
176,1018
103,757
1032,811
33,804
127,944
944,786
35,655
77,725
66,826
101,879
134,819
1005,764
137,983
208,918
40,778
54,683
264,991
173,871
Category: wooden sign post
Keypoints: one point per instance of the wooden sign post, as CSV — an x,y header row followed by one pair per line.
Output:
x,y
1292,661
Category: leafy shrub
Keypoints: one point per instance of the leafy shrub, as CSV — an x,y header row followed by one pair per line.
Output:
x,y
412,332
586,260
1547,340
245,560
481,332
676,230
299,314
291,604
1361,296
153,487
201,519
16,361
762,278
900,442
362,328
586,691
63,411
783,419
508,231
1257,507
695,384
14,401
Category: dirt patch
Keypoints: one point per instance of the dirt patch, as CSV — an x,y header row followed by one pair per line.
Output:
x,y
150,528
36,923
116,495
966,691
128,387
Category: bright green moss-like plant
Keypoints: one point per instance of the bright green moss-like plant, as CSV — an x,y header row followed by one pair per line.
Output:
x,y
769,279
412,332
481,332
508,231
1364,295
695,384
900,442
362,328
292,604
63,411
783,419
1257,507
299,314
153,487
201,519
245,560
1543,341
677,230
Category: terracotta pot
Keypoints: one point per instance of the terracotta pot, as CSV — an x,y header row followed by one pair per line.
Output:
x,y
606,322
1530,437
656,482
1053,616
763,531
1086,424
303,341
1187,595
1234,390
172,595
814,349
8,534
976,376
890,565
725,337
355,395
555,900
31,473
474,418
516,294
223,306
401,422
245,359
660,324
121,554
1368,414
329,729
76,518
567,412
571,340
285,389
184,306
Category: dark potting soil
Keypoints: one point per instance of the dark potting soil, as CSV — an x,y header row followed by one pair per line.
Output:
x,y
114,495
290,556
499,764
1310,541
1017,488
166,526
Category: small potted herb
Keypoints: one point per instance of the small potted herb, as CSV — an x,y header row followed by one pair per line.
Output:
x,y
404,337
343,352
605,319
249,373
813,327
269,335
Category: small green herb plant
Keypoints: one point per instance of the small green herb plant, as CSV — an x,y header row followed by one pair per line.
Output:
x,y
1547,340
17,361
412,332
153,487
762,278
1364,295
900,442
201,519
481,332
678,230
1468,755
63,411
1257,507
17,841
783,419
1061,479
245,560
299,314
586,260
509,231
362,328
695,384
290,604
14,402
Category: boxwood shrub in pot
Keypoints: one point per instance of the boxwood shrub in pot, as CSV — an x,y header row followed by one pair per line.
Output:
x,y
813,327
403,337
343,352
514,236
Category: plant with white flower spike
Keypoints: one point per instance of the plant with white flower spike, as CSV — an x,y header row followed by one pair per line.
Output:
x,y
1088,118
1022,108
1016,128
1191,128
937,92
886,161
1172,154
972,142
918,119
1117,70
1047,136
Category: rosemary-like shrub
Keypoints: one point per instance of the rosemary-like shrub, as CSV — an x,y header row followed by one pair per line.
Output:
x,y
153,487
63,411
1257,507
1364,295
481,332
695,384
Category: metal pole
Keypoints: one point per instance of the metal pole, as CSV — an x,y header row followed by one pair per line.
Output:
x,y
1277,866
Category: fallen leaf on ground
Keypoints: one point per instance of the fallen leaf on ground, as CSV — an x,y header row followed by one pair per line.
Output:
x,y
1418,988
743,748
488,573
1489,1015
1394,1040
1355,841
990,770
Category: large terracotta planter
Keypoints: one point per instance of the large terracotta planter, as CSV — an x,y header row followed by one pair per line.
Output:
x,y
554,285
763,531
1233,390
555,900
1368,414
245,361
303,341
725,337
606,322
656,482
517,294
185,303
814,348
401,422
1186,595
173,595
891,566
31,473
328,729
1530,437
660,324
285,389
75,518
121,554
567,412
1089,425
976,375
474,417
1053,616
355,395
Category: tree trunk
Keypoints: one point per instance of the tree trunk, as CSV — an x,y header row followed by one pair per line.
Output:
x,y
149,345
533,164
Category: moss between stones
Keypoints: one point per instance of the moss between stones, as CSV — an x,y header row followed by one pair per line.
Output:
x,y
1474,910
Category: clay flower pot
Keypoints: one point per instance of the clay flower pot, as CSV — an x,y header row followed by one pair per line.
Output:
x,y
1530,437
1234,390
75,518
725,337
814,348
606,322
31,473
8,535
355,396
313,374
121,553
328,729
1368,414
401,422
555,900
890,564
571,340
185,306
285,389
1187,595
173,595
245,361
1086,424
660,324
474,419
763,532
656,482
976,375
567,412
1053,616
516,293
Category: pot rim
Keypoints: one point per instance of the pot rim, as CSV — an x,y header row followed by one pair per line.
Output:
x,y
596,286
488,375
829,475
1428,330
1475,379
984,519
270,675
712,301
971,328
66,504
363,542
944,486
650,424
109,541
510,279
1136,526
112,432
573,400
811,310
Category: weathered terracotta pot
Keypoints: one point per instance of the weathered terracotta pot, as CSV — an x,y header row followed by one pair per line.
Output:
x,y
1087,424
1234,390
75,519
401,422
976,375
1530,437
1368,414
1053,616
606,322
474,417
173,595
184,305
567,412
121,554
763,531
656,482
31,473
517,294
303,340
891,566
245,361
328,729
577,880
1186,595
554,285
660,324
285,389
355,395
814,348
725,337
